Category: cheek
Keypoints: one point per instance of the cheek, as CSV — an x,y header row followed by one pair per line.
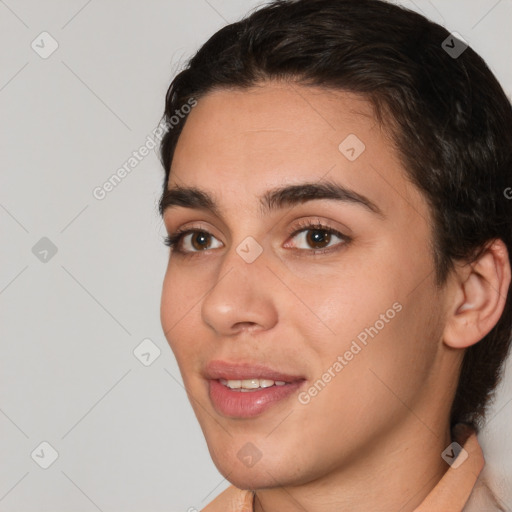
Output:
x,y
339,306
382,325
374,383
349,293
180,297
385,360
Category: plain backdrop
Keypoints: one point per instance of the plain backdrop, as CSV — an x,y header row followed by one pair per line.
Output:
x,y
80,277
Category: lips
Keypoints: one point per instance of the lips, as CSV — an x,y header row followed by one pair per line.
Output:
x,y
216,370
244,390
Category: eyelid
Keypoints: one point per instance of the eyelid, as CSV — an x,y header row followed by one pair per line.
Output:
x,y
317,224
175,238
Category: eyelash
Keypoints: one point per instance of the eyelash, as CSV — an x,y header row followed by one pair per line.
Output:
x,y
173,240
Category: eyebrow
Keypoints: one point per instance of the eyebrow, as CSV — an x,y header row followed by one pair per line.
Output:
x,y
271,200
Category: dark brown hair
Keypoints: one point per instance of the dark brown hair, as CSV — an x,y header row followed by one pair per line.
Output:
x,y
450,119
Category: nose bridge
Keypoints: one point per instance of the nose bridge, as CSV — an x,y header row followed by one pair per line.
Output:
x,y
241,294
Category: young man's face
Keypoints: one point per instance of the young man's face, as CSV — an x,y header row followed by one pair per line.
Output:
x,y
357,327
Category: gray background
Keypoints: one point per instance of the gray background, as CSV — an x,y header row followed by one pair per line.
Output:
x,y
125,434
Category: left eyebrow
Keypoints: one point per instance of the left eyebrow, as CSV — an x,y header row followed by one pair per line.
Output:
x,y
271,200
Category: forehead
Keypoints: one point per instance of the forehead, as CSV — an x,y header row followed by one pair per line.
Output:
x,y
239,143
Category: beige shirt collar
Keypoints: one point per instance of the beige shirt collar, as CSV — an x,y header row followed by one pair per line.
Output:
x,y
451,494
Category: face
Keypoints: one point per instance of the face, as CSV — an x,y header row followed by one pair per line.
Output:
x,y
326,287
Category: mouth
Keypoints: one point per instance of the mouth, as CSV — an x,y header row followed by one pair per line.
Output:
x,y
251,385
245,390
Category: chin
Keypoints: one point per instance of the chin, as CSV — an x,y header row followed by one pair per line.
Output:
x,y
266,473
255,478
250,481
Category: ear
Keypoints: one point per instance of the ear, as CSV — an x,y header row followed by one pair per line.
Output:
x,y
479,296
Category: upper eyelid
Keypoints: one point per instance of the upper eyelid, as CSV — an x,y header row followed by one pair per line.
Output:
x,y
304,222
302,227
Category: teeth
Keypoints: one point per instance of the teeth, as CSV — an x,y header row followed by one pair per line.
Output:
x,y
250,384
233,384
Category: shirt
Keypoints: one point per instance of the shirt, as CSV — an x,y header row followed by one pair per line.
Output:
x,y
461,489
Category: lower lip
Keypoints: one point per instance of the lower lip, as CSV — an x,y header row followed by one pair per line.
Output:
x,y
239,404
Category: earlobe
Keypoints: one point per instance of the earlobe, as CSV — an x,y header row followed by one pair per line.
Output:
x,y
479,297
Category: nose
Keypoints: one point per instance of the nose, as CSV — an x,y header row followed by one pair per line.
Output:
x,y
241,298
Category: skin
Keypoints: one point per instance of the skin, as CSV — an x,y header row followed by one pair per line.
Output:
x,y
372,438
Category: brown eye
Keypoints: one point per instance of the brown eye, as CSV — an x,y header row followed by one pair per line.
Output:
x,y
318,238
200,240
191,241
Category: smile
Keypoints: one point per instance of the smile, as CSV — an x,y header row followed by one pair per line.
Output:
x,y
245,390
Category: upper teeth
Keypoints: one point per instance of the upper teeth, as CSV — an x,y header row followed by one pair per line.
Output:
x,y
251,383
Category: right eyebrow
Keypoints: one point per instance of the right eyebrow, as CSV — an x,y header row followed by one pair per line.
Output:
x,y
187,197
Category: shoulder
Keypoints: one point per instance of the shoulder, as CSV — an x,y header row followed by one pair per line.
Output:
x,y
482,499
